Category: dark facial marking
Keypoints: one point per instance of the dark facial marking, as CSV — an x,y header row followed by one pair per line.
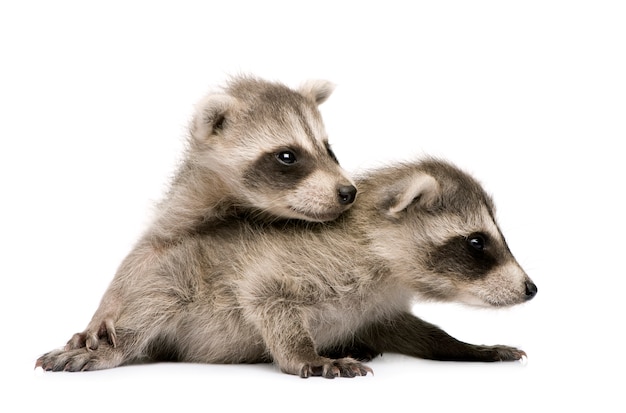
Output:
x,y
272,98
293,101
283,168
472,256
331,153
218,122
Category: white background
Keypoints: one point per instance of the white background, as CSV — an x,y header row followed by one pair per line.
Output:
x,y
528,96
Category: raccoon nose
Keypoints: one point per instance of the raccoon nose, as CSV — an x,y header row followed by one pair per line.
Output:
x,y
347,194
531,290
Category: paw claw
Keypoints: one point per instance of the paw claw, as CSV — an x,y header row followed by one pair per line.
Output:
x,y
523,359
345,367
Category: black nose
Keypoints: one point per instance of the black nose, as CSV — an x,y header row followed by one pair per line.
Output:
x,y
347,194
531,290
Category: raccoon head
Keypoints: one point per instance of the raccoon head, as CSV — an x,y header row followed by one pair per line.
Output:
x,y
267,142
446,242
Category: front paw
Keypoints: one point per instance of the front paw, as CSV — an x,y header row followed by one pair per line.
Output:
x,y
79,359
65,360
331,368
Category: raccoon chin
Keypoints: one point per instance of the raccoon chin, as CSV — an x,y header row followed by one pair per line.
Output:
x,y
315,216
486,302
471,300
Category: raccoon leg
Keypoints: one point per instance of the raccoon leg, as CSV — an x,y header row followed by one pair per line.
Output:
x,y
356,350
100,328
292,347
407,334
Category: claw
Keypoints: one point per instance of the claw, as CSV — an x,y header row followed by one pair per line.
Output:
x,y
110,331
523,359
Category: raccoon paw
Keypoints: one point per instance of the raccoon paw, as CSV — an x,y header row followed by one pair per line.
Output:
x,y
78,359
501,353
91,338
329,368
63,360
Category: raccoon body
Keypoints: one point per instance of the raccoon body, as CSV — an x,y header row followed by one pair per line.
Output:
x,y
320,299
255,148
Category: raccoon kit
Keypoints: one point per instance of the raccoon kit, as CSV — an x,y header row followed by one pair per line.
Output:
x,y
255,148
320,299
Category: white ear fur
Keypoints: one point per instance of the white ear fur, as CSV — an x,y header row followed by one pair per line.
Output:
x,y
210,112
317,90
422,186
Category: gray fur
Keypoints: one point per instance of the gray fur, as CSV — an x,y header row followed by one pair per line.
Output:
x,y
221,178
318,299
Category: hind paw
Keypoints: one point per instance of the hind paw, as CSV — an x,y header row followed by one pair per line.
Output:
x,y
501,353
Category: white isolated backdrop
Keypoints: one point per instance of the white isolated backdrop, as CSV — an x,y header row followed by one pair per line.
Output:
x,y
530,97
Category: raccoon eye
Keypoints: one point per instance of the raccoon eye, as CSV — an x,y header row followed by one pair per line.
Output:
x,y
286,157
476,241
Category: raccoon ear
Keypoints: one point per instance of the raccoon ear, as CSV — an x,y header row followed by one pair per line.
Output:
x,y
421,189
211,112
317,90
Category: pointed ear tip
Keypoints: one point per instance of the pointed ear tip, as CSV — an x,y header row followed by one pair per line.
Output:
x,y
422,188
327,84
209,112
317,89
213,105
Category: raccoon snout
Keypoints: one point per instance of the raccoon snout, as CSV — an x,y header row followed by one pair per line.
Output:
x,y
531,290
346,194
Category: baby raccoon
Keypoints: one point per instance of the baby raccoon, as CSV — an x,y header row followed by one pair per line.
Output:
x,y
319,299
258,147
255,148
